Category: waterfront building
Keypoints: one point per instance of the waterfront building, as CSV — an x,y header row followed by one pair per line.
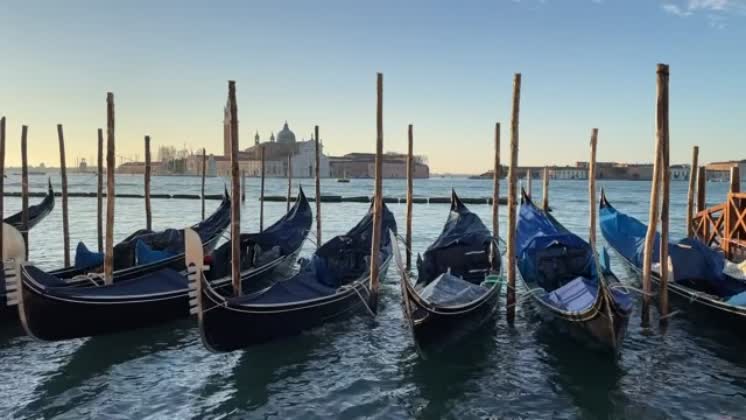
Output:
x,y
362,165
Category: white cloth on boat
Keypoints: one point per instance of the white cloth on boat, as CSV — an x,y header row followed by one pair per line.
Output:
x,y
448,289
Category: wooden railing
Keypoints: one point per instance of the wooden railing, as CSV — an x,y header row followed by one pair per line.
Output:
x,y
724,226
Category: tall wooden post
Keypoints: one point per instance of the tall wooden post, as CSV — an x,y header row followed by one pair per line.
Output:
x,y
410,184
662,132
647,263
148,214
377,198
261,195
318,188
690,195
529,187
110,194
99,195
204,170
591,190
290,180
24,186
65,215
243,184
496,186
510,307
545,190
2,184
735,179
235,206
701,188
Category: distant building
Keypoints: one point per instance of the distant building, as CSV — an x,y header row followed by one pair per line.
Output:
x,y
720,171
362,165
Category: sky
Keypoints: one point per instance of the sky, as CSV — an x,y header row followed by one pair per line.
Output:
x,y
448,69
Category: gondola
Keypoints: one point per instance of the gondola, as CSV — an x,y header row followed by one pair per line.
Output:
x,y
158,250
331,285
458,282
36,213
701,276
50,309
559,272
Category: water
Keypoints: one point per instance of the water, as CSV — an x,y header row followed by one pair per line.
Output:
x,y
364,367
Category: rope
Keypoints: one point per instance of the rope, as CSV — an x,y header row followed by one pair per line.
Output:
x,y
357,292
631,288
670,315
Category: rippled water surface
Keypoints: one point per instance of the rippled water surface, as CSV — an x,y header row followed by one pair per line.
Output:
x,y
364,367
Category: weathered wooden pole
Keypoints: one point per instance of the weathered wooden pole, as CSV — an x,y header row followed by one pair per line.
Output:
x,y
235,206
318,187
148,214
662,132
410,185
591,191
510,307
690,195
65,215
496,186
110,193
529,187
647,262
545,189
701,188
204,170
290,180
24,187
261,195
99,195
377,198
243,184
735,179
2,184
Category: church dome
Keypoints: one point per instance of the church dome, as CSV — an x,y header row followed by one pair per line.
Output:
x,y
285,136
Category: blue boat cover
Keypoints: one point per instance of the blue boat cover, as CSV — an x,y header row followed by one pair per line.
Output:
x,y
463,245
162,281
539,236
85,258
146,255
448,289
338,262
575,296
694,264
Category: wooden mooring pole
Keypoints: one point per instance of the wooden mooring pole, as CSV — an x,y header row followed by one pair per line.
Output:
x,y
110,193
99,190
690,195
735,179
243,185
410,185
545,190
318,188
148,214
647,262
290,180
592,192
261,195
24,187
529,187
2,185
235,206
496,173
701,188
65,215
662,132
510,307
377,198
204,170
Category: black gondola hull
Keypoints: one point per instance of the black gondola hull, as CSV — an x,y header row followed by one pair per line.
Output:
x,y
226,328
436,330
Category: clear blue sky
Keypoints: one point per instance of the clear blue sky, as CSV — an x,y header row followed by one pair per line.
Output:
x,y
448,69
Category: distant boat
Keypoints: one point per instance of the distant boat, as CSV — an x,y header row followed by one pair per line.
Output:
x,y
344,178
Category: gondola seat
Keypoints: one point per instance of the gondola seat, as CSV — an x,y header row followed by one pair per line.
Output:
x,y
85,258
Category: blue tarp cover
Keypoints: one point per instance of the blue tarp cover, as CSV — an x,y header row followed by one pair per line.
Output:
x,y
448,289
146,255
694,264
85,258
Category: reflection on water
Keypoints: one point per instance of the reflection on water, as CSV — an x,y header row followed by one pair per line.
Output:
x,y
362,367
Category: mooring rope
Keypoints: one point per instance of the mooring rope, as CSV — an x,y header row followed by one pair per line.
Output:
x,y
346,287
633,289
